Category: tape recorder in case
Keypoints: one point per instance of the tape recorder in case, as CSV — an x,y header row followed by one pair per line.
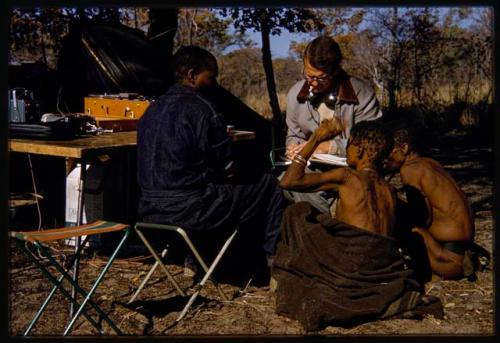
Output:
x,y
117,112
123,105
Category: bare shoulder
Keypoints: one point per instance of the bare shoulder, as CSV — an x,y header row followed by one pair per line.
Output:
x,y
338,175
414,170
411,170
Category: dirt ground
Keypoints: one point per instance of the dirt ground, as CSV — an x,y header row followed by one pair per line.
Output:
x,y
468,306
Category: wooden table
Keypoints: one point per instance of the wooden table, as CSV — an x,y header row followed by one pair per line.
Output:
x,y
239,135
79,150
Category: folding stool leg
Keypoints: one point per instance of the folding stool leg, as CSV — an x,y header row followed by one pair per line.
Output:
x,y
54,281
96,283
79,219
157,258
69,278
201,261
207,275
54,289
147,277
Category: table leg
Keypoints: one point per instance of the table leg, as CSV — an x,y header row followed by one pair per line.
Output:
x,y
79,219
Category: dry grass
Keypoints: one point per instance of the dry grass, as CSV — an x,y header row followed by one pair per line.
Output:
x,y
260,103
445,95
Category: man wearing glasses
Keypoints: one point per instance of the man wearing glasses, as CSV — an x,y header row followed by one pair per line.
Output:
x,y
326,91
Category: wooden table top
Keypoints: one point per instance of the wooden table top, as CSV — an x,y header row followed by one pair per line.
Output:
x,y
239,135
74,148
82,146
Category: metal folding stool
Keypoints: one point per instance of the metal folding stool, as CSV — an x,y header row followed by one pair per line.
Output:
x,y
37,239
159,262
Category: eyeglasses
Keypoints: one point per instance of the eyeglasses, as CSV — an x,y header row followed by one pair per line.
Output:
x,y
320,80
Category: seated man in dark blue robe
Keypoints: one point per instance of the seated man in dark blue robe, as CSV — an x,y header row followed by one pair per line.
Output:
x,y
186,167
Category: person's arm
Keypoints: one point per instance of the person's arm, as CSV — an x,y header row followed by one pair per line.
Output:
x,y
296,179
367,109
218,144
295,135
338,146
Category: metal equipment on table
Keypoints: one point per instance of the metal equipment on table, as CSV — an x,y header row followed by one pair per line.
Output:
x,y
23,108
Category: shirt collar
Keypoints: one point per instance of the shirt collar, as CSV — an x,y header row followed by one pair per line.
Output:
x,y
345,91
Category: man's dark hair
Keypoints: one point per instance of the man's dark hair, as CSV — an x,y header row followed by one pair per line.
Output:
x,y
376,142
323,53
403,132
192,57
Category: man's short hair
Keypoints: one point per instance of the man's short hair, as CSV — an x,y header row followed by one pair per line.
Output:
x,y
323,53
404,132
376,142
192,57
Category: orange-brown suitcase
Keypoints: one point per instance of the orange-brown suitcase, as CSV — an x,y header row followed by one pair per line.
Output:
x,y
115,106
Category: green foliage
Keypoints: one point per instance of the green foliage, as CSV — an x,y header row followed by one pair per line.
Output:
x,y
338,20
272,20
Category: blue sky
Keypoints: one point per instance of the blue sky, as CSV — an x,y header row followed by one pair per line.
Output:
x,y
280,44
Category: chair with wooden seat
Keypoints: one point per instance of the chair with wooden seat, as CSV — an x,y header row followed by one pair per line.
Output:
x,y
158,262
39,239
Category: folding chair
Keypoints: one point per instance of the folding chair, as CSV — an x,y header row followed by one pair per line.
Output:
x,y
36,239
158,262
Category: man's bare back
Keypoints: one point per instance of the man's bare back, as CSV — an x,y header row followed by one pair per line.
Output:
x,y
367,201
451,214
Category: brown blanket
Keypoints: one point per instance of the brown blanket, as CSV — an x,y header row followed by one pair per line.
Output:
x,y
329,272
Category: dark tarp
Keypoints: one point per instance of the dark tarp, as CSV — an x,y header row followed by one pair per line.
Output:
x,y
329,272
98,58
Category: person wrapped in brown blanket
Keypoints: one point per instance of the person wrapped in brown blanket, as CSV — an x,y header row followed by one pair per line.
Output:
x,y
344,269
330,272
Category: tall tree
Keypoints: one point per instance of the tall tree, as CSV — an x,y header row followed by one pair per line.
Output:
x,y
203,27
336,21
425,35
388,33
271,21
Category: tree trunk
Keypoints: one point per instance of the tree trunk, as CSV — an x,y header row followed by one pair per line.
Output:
x,y
189,25
44,53
391,84
268,69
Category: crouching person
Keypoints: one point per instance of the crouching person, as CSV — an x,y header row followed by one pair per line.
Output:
x,y
345,269
446,224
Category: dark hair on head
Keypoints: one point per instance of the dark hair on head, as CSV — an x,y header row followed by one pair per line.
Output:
x,y
376,141
404,132
192,57
323,53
